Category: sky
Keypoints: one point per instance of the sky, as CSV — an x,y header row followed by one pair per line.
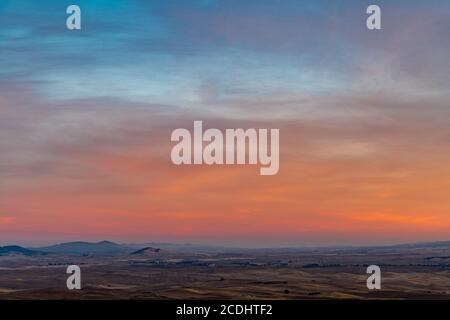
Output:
x,y
86,118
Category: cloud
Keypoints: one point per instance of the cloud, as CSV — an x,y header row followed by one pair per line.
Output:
x,y
363,117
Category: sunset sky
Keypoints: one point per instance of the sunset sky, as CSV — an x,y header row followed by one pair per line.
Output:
x,y
86,118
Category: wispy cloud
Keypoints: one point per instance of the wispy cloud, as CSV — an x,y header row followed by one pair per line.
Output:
x,y
86,119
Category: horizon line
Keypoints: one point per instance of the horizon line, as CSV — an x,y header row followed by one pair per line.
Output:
x,y
229,247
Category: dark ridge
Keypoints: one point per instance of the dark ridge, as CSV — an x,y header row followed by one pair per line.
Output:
x,y
146,250
7,250
81,247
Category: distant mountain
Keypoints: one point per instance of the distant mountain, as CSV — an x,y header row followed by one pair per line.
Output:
x,y
16,250
183,247
111,248
80,247
186,247
419,245
146,251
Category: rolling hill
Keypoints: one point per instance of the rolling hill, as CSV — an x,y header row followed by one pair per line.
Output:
x,y
16,250
80,247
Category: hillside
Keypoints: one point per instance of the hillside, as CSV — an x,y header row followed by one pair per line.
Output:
x,y
16,250
80,247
